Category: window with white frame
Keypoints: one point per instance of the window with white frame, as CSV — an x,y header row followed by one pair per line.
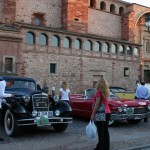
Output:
x,y
53,68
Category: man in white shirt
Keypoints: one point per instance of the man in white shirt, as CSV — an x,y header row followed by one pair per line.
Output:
x,y
142,93
53,90
4,84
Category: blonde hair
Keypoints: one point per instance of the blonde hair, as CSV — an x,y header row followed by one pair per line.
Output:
x,y
103,86
64,85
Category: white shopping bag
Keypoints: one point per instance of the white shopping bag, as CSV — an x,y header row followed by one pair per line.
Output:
x,y
91,130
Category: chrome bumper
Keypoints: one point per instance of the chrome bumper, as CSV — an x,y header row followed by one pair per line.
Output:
x,y
131,116
52,120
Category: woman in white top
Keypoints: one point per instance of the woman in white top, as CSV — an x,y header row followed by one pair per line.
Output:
x,y
64,92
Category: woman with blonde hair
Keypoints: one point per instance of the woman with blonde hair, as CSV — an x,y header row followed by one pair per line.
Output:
x,y
101,97
64,92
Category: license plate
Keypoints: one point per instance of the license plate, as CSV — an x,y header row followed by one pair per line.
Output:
x,y
45,113
42,121
130,111
50,113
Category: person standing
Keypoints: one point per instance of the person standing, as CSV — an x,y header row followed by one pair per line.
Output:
x,y
102,96
137,84
53,90
64,92
45,88
142,93
4,84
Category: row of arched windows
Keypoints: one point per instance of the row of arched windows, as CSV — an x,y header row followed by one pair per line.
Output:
x,y
112,7
78,44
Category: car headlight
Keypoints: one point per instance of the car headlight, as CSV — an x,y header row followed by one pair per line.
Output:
x,y
56,98
122,109
125,109
57,112
34,113
26,98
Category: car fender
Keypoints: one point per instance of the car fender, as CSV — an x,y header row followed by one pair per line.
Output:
x,y
63,106
19,109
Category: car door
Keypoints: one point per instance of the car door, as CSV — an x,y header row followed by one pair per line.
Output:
x,y
75,102
86,107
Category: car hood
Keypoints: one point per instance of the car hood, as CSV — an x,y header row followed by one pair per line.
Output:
x,y
128,103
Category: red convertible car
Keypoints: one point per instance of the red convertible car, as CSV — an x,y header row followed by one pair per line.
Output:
x,y
121,109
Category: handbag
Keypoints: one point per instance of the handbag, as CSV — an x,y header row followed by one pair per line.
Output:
x,y
100,114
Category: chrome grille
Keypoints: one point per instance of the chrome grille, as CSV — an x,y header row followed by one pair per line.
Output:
x,y
40,102
140,110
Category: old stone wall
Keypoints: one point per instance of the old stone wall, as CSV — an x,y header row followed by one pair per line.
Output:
x,y
51,8
9,11
129,23
75,15
9,49
1,8
117,4
78,72
104,24
80,68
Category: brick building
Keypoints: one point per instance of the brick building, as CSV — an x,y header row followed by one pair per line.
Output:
x,y
78,41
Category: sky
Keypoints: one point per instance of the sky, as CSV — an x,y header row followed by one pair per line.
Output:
x,y
141,2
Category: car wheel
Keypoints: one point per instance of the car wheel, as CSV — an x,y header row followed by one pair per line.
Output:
x,y
60,127
10,124
134,121
112,123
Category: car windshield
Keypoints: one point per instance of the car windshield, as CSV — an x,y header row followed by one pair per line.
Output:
x,y
91,92
112,95
23,84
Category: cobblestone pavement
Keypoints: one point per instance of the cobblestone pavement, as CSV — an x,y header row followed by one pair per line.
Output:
x,y
123,137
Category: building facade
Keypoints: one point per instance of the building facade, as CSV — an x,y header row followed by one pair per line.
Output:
x,y
75,41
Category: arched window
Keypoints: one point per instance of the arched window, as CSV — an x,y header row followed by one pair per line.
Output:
x,y
30,38
88,45
112,8
102,6
43,39
121,49
78,44
121,10
105,48
114,49
55,41
129,50
97,46
136,51
67,42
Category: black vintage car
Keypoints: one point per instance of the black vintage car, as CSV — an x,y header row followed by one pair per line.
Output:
x,y
32,107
